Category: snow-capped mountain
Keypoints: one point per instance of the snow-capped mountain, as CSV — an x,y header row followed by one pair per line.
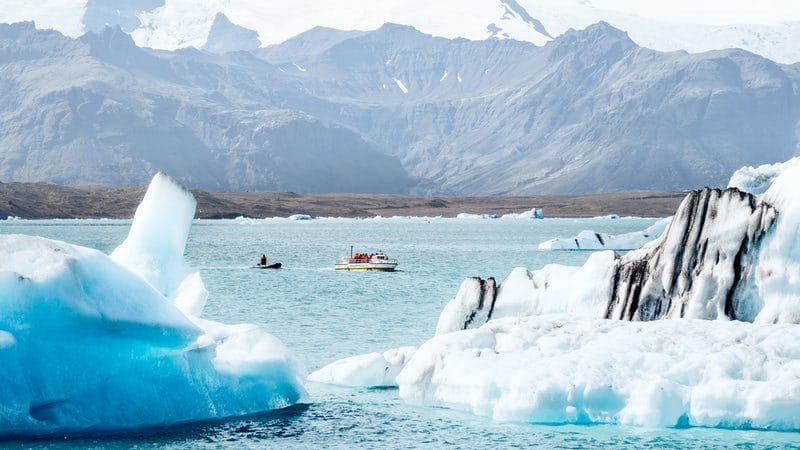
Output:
x,y
770,28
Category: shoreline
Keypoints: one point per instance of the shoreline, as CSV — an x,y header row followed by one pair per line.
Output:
x,y
47,201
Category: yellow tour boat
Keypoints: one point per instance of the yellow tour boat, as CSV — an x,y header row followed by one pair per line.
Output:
x,y
366,262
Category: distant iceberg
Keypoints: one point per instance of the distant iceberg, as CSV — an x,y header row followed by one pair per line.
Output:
x,y
534,213
91,342
588,344
592,240
475,216
300,217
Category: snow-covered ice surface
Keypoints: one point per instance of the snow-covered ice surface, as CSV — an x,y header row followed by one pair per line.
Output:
x,y
557,369
90,342
756,180
585,344
401,86
592,240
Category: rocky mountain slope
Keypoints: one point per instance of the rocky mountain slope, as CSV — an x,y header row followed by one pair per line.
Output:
x,y
99,110
330,110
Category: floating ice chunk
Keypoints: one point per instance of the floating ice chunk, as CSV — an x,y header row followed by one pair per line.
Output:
x,y
369,370
401,86
6,339
534,213
556,369
756,180
475,216
300,217
726,255
89,343
592,240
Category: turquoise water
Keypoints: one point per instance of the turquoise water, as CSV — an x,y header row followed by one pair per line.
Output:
x,y
324,315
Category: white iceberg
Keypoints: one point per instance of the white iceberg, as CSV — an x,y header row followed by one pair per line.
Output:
x,y
475,216
300,217
590,344
592,240
533,213
668,373
90,342
368,370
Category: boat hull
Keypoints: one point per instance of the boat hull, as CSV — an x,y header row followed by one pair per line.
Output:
x,y
365,267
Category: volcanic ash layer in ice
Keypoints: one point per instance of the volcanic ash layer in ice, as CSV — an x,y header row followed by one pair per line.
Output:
x,y
91,342
586,344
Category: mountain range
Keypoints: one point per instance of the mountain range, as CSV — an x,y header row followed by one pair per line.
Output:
x,y
389,110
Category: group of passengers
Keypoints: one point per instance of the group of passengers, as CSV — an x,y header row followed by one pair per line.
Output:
x,y
363,257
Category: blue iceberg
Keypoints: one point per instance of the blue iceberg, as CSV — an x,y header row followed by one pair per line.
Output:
x,y
92,342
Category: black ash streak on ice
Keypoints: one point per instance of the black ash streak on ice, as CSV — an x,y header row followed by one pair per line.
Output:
x,y
658,283
487,290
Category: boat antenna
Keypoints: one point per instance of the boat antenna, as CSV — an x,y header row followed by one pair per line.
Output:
x,y
351,250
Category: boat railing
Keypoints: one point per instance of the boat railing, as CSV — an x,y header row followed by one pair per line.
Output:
x,y
347,260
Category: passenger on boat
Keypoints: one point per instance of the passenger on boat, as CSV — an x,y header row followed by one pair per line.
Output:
x,y
263,261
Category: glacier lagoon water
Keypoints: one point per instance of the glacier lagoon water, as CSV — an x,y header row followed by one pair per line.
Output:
x,y
324,315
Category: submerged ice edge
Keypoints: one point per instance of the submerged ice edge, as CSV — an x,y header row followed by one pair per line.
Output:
x,y
92,342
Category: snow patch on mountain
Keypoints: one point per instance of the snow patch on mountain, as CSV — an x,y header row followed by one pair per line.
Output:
x,y
401,86
770,29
